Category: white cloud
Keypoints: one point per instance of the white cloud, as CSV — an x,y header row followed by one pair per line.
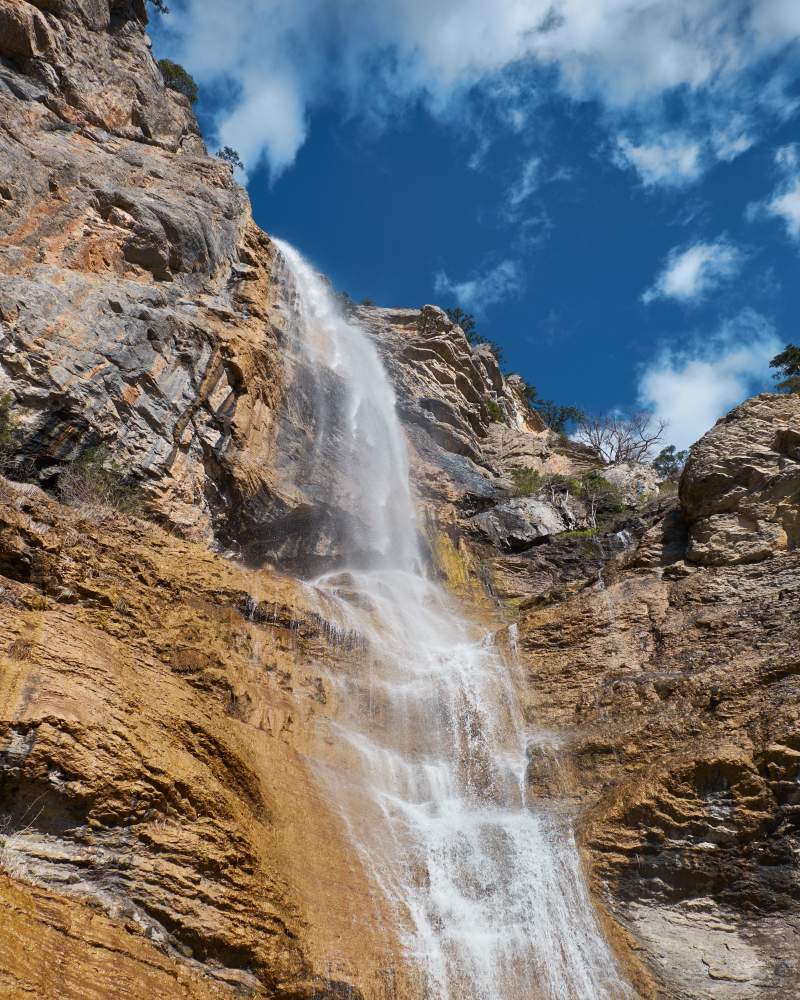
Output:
x,y
525,184
671,160
476,294
730,142
689,273
784,203
693,388
279,61
786,206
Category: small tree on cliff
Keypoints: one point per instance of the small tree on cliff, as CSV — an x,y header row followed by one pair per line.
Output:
x,y
616,438
8,432
98,486
602,498
467,323
788,365
557,416
229,155
177,79
669,463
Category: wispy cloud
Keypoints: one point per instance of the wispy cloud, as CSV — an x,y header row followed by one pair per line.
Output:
x,y
279,62
689,273
671,160
784,203
482,290
524,186
692,388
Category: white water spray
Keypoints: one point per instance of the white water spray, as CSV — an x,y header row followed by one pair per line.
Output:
x,y
430,776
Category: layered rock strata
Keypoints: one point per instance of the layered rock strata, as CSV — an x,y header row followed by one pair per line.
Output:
x,y
674,677
163,709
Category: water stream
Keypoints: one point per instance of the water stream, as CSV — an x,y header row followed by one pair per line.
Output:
x,y
430,776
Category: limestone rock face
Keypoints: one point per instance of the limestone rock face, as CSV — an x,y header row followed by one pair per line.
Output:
x,y
636,481
160,828
134,288
679,682
515,525
450,395
741,486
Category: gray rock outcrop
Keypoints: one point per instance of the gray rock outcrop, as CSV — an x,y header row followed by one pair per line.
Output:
x,y
740,490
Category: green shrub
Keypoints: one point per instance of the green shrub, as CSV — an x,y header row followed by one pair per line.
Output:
x,y
788,365
527,481
428,322
176,78
98,486
496,414
8,431
228,153
601,497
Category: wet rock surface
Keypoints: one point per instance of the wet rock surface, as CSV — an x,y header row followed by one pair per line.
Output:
x,y
160,830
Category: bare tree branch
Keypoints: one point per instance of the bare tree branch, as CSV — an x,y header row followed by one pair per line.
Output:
x,y
617,439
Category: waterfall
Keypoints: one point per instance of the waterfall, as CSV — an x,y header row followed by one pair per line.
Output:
x,y
432,750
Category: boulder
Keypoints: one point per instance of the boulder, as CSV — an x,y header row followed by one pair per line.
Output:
x,y
636,481
740,490
518,524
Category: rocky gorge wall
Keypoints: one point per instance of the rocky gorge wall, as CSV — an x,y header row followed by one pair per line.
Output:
x,y
162,685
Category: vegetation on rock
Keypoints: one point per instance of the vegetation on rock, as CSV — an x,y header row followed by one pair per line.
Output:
x,y
600,497
229,155
495,411
614,438
178,79
429,322
669,462
558,417
788,365
8,432
97,485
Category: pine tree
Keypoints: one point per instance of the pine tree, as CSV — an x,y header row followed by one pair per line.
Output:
x,y
788,365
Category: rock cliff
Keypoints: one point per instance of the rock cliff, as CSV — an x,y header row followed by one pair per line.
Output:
x,y
677,675
164,687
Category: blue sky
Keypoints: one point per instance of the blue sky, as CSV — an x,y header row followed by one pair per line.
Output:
x,y
613,189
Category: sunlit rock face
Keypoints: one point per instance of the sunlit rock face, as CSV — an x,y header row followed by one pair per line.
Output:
x,y
160,829
680,684
742,483
134,288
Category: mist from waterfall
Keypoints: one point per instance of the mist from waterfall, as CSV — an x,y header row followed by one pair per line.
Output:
x,y
432,751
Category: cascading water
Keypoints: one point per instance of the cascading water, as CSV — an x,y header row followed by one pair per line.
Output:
x,y
430,776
